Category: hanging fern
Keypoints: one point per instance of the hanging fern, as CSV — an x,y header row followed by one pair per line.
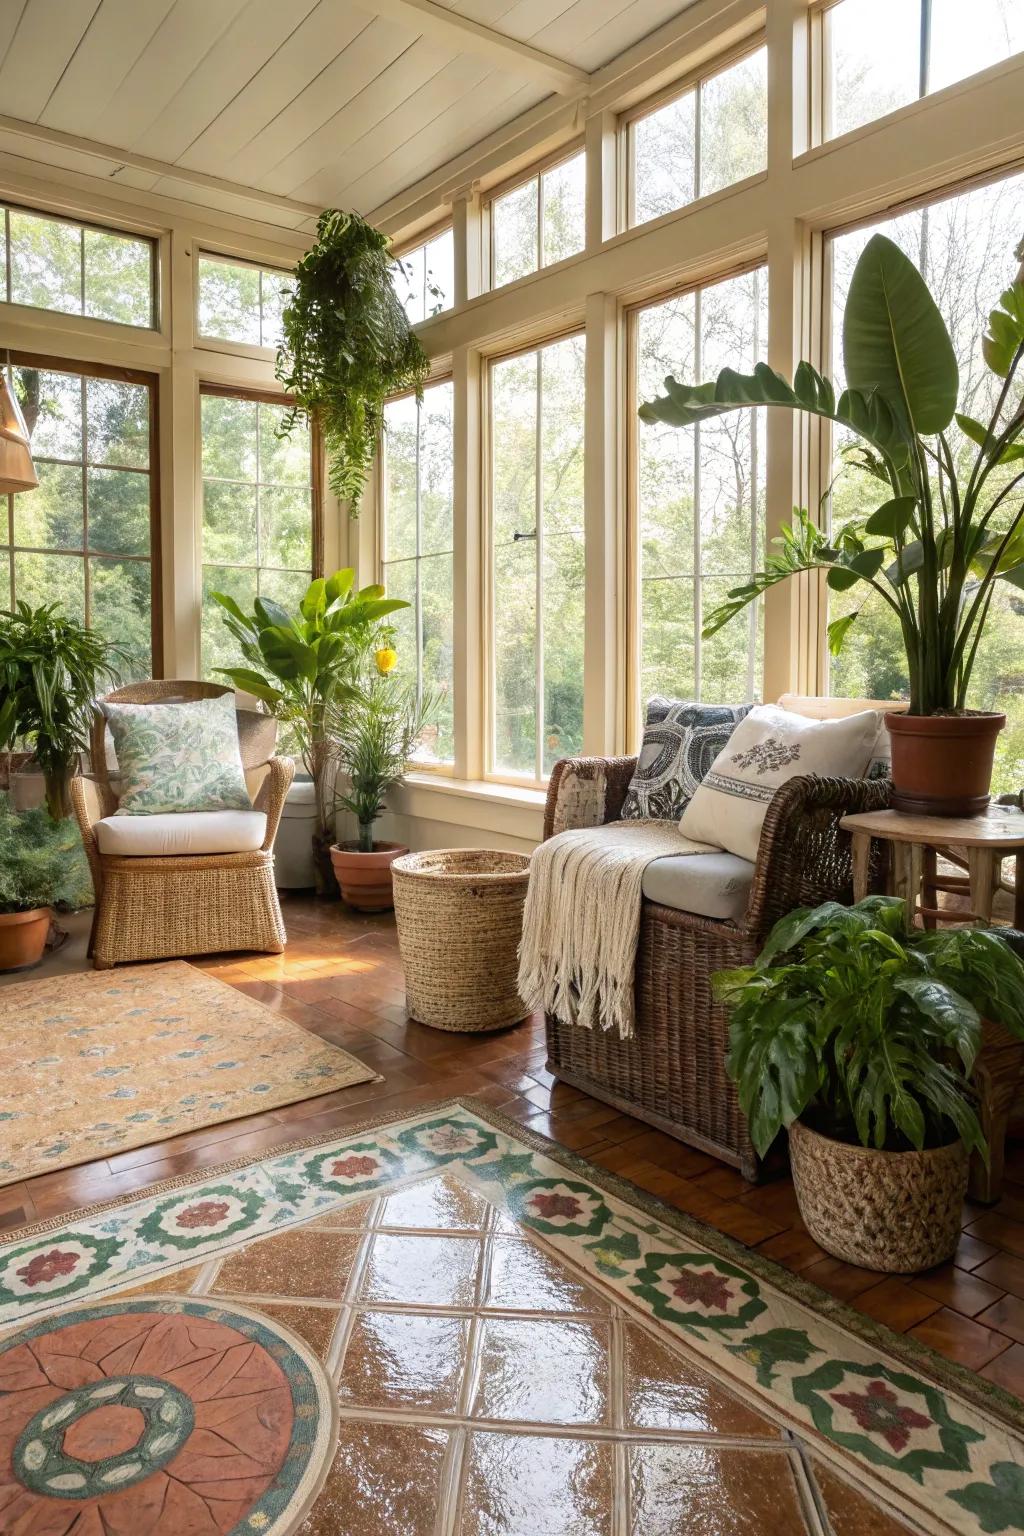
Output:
x,y
347,345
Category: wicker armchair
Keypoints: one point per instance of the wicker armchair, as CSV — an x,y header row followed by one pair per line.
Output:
x,y
672,1073
152,908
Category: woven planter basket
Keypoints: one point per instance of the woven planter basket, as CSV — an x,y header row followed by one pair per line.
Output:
x,y
898,1212
460,918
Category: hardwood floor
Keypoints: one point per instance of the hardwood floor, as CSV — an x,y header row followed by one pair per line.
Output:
x,y
341,977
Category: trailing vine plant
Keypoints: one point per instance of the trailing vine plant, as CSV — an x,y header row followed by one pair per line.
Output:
x,y
347,346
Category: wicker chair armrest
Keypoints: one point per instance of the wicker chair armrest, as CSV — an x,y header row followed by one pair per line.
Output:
x,y
91,800
268,785
586,792
804,857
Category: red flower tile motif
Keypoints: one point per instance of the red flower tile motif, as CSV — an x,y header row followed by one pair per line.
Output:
x,y
355,1167
705,1286
879,1411
550,1206
207,1213
43,1267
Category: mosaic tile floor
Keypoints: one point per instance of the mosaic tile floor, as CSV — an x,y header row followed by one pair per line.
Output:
x,y
436,1329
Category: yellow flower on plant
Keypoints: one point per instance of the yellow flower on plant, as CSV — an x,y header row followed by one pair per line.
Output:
x,y
385,659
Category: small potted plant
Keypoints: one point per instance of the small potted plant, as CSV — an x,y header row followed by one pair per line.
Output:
x,y
42,867
51,669
860,1036
372,742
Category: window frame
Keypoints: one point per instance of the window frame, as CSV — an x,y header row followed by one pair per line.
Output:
x,y
265,397
443,766
155,326
492,775
633,606
536,171
221,343
151,382
693,80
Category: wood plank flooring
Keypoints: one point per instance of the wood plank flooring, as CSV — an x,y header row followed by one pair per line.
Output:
x,y
341,977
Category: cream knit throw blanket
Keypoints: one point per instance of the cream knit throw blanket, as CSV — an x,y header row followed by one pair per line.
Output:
x,y
581,920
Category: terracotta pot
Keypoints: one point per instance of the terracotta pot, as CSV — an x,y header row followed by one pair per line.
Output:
x,y
898,1212
942,764
365,878
23,938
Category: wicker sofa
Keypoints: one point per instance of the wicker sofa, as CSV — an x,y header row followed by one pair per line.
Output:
x,y
159,906
672,1073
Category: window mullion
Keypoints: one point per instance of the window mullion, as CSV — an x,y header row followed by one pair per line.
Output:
x,y
418,609
698,594
924,60
539,569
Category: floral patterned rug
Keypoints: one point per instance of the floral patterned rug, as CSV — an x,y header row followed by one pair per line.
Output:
x,y
445,1323
96,1063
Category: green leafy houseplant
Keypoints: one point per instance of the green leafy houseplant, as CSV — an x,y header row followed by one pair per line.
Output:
x,y
306,668
947,526
51,669
347,345
867,1031
41,864
372,742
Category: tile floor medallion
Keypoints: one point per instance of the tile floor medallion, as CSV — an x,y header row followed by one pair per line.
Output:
x,y
444,1326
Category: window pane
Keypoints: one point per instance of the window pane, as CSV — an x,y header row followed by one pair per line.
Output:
x,y
562,585
257,513
42,579
437,742
118,511
700,498
118,278
52,406
51,259
407,273
734,123
870,78
514,511
400,439
46,263
416,525
563,191
229,301
275,289
966,38
439,273
664,158
514,233
119,603
117,419
51,516
964,245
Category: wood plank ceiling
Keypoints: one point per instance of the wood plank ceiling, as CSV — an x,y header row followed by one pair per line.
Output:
x,y
318,101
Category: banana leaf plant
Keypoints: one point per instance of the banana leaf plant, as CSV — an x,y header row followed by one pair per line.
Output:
x,y
867,1030
944,532
305,667
51,669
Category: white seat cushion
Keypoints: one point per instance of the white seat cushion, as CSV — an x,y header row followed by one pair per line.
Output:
x,y
182,832
710,884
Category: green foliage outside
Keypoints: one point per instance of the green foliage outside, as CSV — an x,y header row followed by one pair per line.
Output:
x,y
42,863
866,1030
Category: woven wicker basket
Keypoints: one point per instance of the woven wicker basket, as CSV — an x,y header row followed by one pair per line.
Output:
x,y
898,1212
460,917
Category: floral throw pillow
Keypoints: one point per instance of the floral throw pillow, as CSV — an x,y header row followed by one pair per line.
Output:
x,y
178,757
681,741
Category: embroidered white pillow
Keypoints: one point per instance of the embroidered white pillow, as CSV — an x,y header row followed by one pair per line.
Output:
x,y
767,748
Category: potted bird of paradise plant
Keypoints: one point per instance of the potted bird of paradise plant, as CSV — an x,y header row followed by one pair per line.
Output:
x,y
947,527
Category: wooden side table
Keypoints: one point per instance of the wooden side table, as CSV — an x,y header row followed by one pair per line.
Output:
x,y
916,843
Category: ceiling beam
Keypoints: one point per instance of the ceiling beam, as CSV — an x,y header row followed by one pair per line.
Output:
x,y
471,36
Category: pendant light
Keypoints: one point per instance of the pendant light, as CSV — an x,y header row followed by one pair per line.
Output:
x,y
17,471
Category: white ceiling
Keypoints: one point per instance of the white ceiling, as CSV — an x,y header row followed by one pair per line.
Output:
x,y
321,101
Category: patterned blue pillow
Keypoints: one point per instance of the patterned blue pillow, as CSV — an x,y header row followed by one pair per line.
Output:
x,y
681,741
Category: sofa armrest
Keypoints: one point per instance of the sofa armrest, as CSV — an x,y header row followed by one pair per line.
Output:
x,y
586,792
268,786
804,857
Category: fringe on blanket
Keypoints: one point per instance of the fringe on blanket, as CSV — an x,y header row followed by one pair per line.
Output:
x,y
581,921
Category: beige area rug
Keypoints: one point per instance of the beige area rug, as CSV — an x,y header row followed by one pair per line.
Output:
x,y
93,1064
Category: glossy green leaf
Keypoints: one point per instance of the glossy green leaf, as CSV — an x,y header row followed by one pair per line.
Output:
x,y
1005,335
895,340
892,518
